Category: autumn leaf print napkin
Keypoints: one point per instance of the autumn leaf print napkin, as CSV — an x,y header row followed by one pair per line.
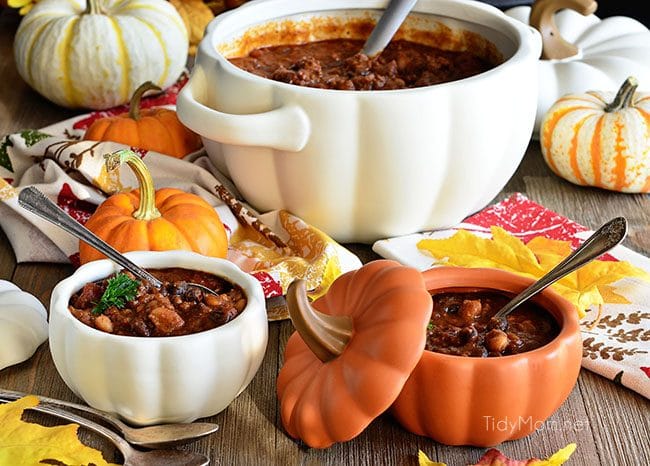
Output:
x,y
71,172
612,295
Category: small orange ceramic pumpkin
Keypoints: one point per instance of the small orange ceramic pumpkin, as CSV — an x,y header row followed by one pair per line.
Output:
x,y
352,353
461,400
157,129
144,220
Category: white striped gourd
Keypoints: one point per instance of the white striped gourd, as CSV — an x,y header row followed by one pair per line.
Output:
x,y
95,55
600,139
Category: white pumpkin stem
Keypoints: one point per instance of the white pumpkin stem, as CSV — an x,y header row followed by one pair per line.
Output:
x,y
134,103
326,335
93,8
147,208
542,18
624,96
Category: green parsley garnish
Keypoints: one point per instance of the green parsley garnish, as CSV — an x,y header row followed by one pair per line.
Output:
x,y
119,290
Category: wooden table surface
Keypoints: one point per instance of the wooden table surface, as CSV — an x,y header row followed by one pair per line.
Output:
x,y
609,423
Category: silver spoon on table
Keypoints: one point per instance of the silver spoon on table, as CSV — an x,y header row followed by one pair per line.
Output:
x,y
603,239
35,201
132,457
388,24
162,435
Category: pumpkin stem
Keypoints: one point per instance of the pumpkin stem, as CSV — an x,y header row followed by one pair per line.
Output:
x,y
93,8
147,209
326,335
624,95
542,18
134,104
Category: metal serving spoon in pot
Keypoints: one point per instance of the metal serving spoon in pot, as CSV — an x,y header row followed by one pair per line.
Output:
x,y
390,21
35,201
603,239
158,436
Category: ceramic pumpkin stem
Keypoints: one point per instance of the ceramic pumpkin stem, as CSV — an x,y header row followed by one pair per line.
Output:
x,y
542,18
624,96
326,335
134,104
147,209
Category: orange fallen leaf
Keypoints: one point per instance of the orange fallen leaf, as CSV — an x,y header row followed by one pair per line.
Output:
x,y
589,286
28,443
494,457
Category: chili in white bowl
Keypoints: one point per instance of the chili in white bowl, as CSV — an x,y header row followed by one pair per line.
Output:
x,y
157,379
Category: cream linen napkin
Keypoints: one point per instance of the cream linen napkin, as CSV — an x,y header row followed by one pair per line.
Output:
x,y
616,342
71,172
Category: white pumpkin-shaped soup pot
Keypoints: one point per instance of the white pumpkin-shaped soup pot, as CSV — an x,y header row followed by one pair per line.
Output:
x,y
363,165
152,380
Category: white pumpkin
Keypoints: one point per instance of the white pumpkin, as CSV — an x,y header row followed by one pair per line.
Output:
x,y
96,55
608,51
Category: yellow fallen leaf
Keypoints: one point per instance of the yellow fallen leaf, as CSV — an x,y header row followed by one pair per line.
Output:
x,y
424,460
464,249
589,286
558,458
28,443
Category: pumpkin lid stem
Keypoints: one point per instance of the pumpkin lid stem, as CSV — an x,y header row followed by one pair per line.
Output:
x,y
134,104
542,18
147,209
326,335
624,95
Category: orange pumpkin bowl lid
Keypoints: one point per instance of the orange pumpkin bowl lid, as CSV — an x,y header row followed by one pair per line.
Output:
x,y
352,351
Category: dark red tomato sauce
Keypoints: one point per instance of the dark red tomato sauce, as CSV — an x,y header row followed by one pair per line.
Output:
x,y
174,309
337,64
461,324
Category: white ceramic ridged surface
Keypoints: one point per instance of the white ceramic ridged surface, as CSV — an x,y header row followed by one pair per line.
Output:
x,y
363,165
149,380
23,324
610,50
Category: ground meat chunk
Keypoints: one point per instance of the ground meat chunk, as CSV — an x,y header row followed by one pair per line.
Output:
x,y
165,319
89,295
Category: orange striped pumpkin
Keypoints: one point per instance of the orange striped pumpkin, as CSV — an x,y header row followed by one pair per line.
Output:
x,y
591,139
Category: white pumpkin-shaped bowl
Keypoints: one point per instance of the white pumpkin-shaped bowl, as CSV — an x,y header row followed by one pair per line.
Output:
x,y
23,324
608,51
152,380
364,165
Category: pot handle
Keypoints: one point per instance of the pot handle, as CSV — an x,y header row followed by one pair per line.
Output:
x,y
285,128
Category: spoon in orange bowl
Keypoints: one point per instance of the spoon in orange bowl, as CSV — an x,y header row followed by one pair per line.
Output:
x,y
35,201
390,21
603,239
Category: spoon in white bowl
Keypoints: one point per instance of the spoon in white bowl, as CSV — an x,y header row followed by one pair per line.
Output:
x,y
35,201
388,24
157,436
603,239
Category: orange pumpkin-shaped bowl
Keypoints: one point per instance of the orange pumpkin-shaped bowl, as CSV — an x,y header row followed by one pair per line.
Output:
x,y
459,400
